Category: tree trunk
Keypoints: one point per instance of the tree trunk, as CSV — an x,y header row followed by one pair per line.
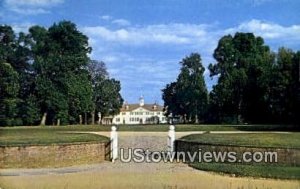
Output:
x,y
43,121
58,122
80,119
85,118
239,113
196,119
93,117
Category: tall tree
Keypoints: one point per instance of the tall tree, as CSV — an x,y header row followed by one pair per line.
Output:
x,y
7,44
189,93
9,89
243,61
170,100
106,91
15,49
60,60
284,87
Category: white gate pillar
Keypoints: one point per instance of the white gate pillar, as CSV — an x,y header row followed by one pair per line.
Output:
x,y
171,138
113,144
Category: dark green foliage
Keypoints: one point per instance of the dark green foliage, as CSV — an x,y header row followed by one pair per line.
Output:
x,y
29,111
48,78
254,84
187,97
49,69
284,87
242,64
63,87
106,92
9,88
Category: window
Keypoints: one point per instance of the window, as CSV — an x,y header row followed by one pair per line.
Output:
x,y
158,113
124,113
131,113
117,119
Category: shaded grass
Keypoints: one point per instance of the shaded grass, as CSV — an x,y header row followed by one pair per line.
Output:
x,y
164,127
38,136
290,140
54,134
265,171
278,140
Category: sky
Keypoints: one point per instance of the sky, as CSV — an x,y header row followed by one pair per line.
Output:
x,y
143,41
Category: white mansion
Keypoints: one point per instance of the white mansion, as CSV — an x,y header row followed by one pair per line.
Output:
x,y
140,114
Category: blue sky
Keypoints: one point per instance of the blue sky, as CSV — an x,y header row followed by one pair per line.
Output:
x,y
143,41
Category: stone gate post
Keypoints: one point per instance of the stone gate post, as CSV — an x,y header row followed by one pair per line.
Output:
x,y
114,143
171,138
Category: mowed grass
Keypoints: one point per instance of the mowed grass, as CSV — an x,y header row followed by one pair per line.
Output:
x,y
275,140
165,127
284,140
39,136
257,171
13,136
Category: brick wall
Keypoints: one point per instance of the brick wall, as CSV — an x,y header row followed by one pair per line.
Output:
x,y
287,156
53,155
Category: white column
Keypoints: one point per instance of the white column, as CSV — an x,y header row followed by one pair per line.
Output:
x,y
171,138
114,143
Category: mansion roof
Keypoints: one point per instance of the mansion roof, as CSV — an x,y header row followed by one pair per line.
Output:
x,y
149,107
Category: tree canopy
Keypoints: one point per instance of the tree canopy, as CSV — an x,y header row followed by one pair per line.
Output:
x,y
254,84
187,96
49,68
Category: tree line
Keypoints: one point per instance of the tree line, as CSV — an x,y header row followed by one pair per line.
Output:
x,y
254,85
47,77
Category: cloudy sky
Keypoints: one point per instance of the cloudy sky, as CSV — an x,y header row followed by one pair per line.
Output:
x,y
143,41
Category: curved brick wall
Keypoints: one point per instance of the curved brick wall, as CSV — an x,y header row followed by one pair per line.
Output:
x,y
288,156
57,155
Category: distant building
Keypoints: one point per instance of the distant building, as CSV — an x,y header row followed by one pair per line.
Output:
x,y
140,114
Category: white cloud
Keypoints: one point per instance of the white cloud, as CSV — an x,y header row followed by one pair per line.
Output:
x,y
110,58
33,3
164,34
259,2
121,22
106,17
269,31
22,27
31,7
126,51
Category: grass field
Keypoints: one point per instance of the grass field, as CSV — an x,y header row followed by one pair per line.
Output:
x,y
13,136
39,136
257,171
280,140
165,127
291,140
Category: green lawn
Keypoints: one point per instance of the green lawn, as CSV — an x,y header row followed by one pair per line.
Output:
x,y
291,140
266,171
280,171
55,134
39,136
164,127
